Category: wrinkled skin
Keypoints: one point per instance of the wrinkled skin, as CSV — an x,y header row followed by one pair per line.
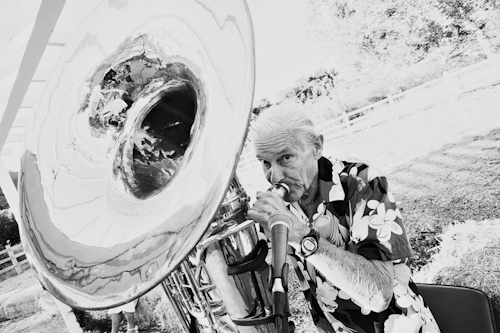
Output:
x,y
294,162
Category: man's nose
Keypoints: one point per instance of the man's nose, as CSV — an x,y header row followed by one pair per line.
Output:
x,y
276,174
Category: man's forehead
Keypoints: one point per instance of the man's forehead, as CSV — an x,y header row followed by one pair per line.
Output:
x,y
265,152
277,144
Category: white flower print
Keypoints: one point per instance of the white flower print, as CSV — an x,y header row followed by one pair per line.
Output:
x,y
326,295
353,171
337,166
336,193
373,204
329,228
402,275
390,196
424,310
418,303
319,210
400,323
383,221
373,173
335,177
359,229
303,283
430,327
417,313
425,313
387,245
344,295
417,316
404,301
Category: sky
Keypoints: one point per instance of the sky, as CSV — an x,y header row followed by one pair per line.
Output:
x,y
283,53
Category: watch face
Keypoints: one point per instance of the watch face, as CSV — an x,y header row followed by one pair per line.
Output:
x,y
309,244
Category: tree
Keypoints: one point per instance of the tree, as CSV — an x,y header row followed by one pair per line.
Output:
x,y
357,33
8,229
376,42
8,226
261,105
320,84
3,201
317,92
477,17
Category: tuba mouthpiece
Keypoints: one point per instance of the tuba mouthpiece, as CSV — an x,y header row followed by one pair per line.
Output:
x,y
281,189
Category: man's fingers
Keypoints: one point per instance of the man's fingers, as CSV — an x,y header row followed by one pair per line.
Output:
x,y
258,217
259,194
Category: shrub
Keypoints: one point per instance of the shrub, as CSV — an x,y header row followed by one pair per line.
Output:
x,y
8,229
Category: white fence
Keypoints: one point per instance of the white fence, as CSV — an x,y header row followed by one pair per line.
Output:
x,y
13,253
435,92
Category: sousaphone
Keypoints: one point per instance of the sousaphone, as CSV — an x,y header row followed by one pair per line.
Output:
x,y
134,144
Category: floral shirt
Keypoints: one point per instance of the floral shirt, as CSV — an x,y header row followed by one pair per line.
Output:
x,y
359,214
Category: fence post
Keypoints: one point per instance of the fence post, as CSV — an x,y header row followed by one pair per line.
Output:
x,y
345,119
393,108
13,258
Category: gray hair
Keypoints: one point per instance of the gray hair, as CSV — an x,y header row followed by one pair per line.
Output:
x,y
287,117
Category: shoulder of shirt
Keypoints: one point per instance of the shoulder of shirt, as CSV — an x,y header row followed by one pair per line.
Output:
x,y
349,162
354,166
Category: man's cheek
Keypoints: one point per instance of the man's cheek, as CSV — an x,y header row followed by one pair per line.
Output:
x,y
294,195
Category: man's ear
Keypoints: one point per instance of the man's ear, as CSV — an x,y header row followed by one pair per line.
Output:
x,y
318,147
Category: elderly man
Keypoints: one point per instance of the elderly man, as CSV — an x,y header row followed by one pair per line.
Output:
x,y
349,243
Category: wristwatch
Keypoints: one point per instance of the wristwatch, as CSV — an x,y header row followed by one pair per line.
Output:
x,y
309,244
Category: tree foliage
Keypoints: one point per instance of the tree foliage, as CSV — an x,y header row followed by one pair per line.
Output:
x,y
261,105
389,29
355,32
361,33
8,226
8,229
316,92
320,84
3,201
383,47
477,17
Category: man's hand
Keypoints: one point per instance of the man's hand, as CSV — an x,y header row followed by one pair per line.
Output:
x,y
268,203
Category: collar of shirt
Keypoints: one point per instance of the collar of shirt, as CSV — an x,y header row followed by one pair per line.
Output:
x,y
330,189
330,186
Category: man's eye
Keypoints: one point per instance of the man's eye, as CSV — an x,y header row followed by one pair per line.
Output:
x,y
265,164
285,158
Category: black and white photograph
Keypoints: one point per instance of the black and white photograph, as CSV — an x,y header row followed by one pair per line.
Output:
x,y
250,166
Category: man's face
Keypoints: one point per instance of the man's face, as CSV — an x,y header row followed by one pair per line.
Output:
x,y
290,160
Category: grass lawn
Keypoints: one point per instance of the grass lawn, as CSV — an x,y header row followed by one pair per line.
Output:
x,y
457,183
